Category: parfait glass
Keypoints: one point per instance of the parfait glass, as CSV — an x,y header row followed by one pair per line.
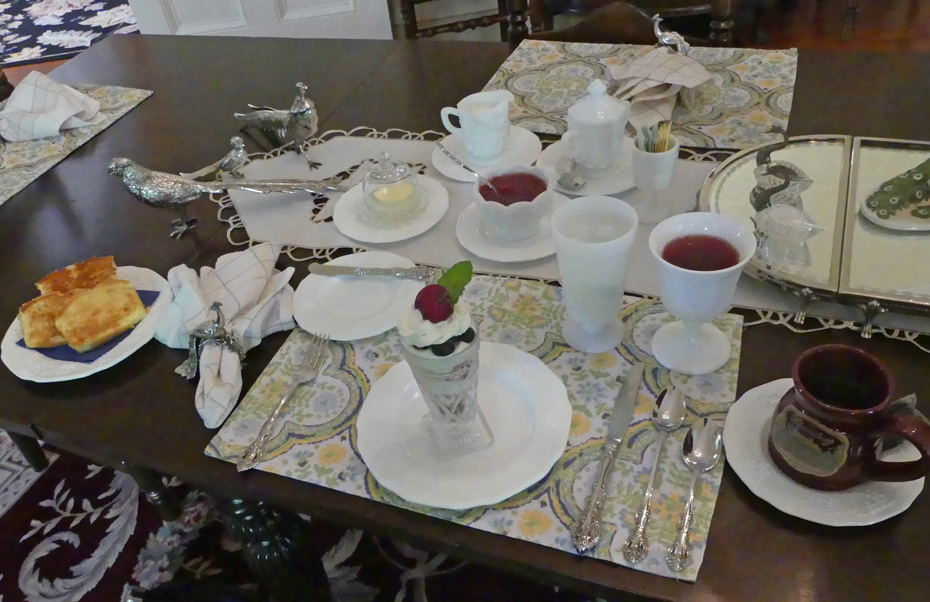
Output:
x,y
449,388
593,236
697,295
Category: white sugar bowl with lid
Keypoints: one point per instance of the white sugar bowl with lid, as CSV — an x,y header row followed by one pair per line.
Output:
x,y
392,194
596,125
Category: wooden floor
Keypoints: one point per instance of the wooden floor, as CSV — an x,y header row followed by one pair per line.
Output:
x,y
879,25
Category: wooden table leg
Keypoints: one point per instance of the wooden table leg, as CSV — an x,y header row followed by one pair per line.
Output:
x,y
278,550
31,450
164,500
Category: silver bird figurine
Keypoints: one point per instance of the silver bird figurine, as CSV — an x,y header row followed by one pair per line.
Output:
x,y
669,39
232,163
161,189
301,120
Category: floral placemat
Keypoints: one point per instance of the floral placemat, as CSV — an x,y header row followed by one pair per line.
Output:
x,y
750,92
317,442
23,162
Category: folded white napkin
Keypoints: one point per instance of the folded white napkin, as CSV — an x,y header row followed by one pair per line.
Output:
x,y
40,107
257,301
652,83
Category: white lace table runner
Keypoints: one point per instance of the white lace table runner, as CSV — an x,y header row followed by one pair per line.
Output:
x,y
23,162
293,219
316,443
751,90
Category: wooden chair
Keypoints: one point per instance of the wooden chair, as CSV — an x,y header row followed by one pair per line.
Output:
x,y
720,11
510,16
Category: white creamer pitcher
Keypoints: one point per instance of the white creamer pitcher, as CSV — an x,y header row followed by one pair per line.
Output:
x,y
484,125
596,125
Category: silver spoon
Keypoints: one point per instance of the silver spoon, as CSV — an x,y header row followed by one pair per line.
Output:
x,y
667,415
481,179
701,451
572,179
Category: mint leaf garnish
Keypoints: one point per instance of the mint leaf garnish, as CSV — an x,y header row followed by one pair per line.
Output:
x,y
456,279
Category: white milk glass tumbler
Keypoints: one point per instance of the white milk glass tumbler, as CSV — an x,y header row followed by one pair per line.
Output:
x,y
593,236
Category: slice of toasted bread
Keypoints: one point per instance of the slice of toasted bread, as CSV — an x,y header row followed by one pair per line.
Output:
x,y
85,274
97,315
37,317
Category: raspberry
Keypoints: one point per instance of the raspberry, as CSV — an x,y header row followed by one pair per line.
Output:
x,y
434,303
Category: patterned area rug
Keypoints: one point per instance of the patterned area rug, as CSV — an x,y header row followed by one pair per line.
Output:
x,y
34,31
83,532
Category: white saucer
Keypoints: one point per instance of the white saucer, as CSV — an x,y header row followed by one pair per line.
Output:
x,y
619,181
523,148
347,215
746,439
527,409
355,307
469,229
30,364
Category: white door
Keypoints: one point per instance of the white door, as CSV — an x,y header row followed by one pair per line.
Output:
x,y
366,19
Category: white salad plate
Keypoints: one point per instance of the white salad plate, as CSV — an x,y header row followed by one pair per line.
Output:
x,y
526,406
347,308
349,215
30,364
746,439
470,231
618,181
523,147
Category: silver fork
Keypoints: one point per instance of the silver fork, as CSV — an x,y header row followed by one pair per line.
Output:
x,y
308,371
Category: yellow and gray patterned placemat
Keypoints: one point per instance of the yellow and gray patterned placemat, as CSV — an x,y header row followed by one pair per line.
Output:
x,y
317,442
750,92
23,162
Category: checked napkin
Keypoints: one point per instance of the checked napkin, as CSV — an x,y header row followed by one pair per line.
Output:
x,y
653,82
256,301
40,107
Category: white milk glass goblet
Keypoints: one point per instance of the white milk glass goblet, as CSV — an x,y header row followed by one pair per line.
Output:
x,y
593,236
693,345
653,172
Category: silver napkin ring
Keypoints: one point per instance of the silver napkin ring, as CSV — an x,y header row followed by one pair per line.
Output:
x,y
206,332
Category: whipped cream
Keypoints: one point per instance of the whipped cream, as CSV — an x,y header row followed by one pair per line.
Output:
x,y
419,332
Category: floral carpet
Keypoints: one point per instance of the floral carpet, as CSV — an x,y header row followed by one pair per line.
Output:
x,y
34,31
83,532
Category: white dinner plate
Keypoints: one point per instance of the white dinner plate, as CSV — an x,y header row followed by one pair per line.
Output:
x,y
746,439
619,181
522,148
469,229
526,406
30,364
348,215
347,308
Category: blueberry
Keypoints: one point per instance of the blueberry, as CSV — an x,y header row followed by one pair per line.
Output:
x,y
468,336
443,349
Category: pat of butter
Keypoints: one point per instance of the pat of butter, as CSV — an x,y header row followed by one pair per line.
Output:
x,y
393,192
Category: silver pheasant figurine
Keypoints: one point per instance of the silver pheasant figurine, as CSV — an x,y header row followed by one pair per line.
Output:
x,y
301,121
670,39
231,163
167,190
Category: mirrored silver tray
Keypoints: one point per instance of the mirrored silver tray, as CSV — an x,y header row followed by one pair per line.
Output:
x,y
838,219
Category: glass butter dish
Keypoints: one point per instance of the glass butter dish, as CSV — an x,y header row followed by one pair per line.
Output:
x,y
392,193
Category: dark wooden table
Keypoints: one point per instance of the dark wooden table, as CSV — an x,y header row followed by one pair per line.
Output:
x,y
141,413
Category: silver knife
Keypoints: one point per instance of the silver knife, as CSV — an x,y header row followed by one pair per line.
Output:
x,y
417,273
586,531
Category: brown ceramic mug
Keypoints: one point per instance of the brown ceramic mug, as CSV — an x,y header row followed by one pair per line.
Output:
x,y
827,430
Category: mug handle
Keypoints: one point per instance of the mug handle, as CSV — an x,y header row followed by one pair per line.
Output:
x,y
444,115
917,431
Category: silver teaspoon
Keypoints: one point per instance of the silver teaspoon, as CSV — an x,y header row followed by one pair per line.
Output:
x,y
481,179
701,451
667,415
